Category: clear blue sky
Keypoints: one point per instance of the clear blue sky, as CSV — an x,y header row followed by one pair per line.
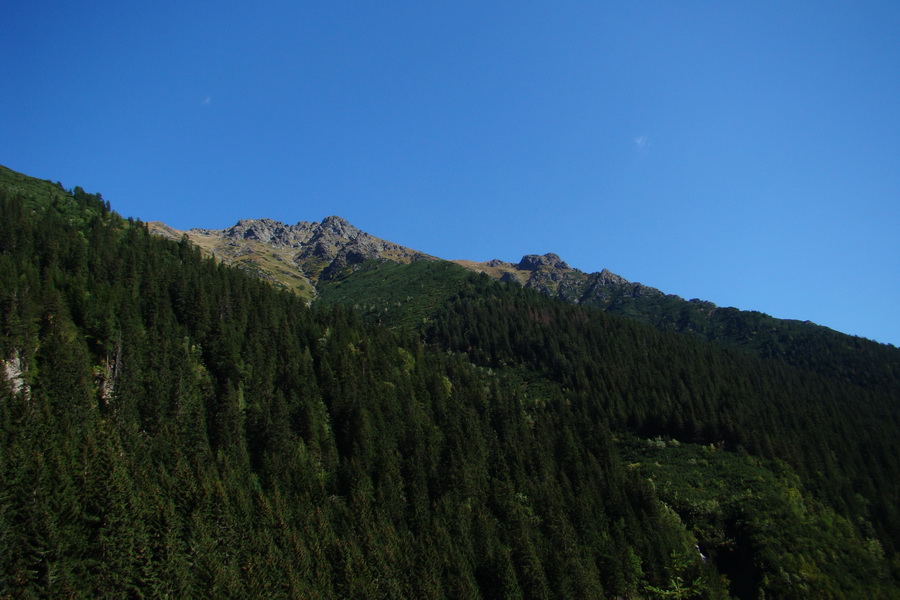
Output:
x,y
743,153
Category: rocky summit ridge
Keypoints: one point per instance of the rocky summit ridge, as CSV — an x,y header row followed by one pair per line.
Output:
x,y
549,274
297,256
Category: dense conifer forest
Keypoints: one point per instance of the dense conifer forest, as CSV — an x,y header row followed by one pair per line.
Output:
x,y
174,428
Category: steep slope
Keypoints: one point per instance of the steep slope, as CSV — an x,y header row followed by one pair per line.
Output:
x,y
837,432
172,427
175,428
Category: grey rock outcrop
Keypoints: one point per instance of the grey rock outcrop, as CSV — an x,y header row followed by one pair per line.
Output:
x,y
533,262
509,278
552,276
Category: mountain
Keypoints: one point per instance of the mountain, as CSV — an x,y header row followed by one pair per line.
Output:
x,y
294,257
308,257
171,426
297,256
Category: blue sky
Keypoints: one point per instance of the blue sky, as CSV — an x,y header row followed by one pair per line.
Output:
x,y
743,153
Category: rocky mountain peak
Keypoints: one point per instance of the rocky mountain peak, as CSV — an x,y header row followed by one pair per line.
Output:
x,y
607,277
533,262
294,256
338,227
336,222
266,231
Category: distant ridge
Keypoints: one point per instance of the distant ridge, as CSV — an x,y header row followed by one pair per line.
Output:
x,y
297,256
550,275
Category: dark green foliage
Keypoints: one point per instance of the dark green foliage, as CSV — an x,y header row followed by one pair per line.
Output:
x,y
753,517
175,428
840,436
394,294
799,343
838,433
170,427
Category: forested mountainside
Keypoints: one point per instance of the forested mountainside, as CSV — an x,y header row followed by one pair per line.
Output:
x,y
838,434
307,257
800,343
172,427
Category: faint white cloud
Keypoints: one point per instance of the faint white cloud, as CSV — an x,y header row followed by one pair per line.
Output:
x,y
642,143
207,101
